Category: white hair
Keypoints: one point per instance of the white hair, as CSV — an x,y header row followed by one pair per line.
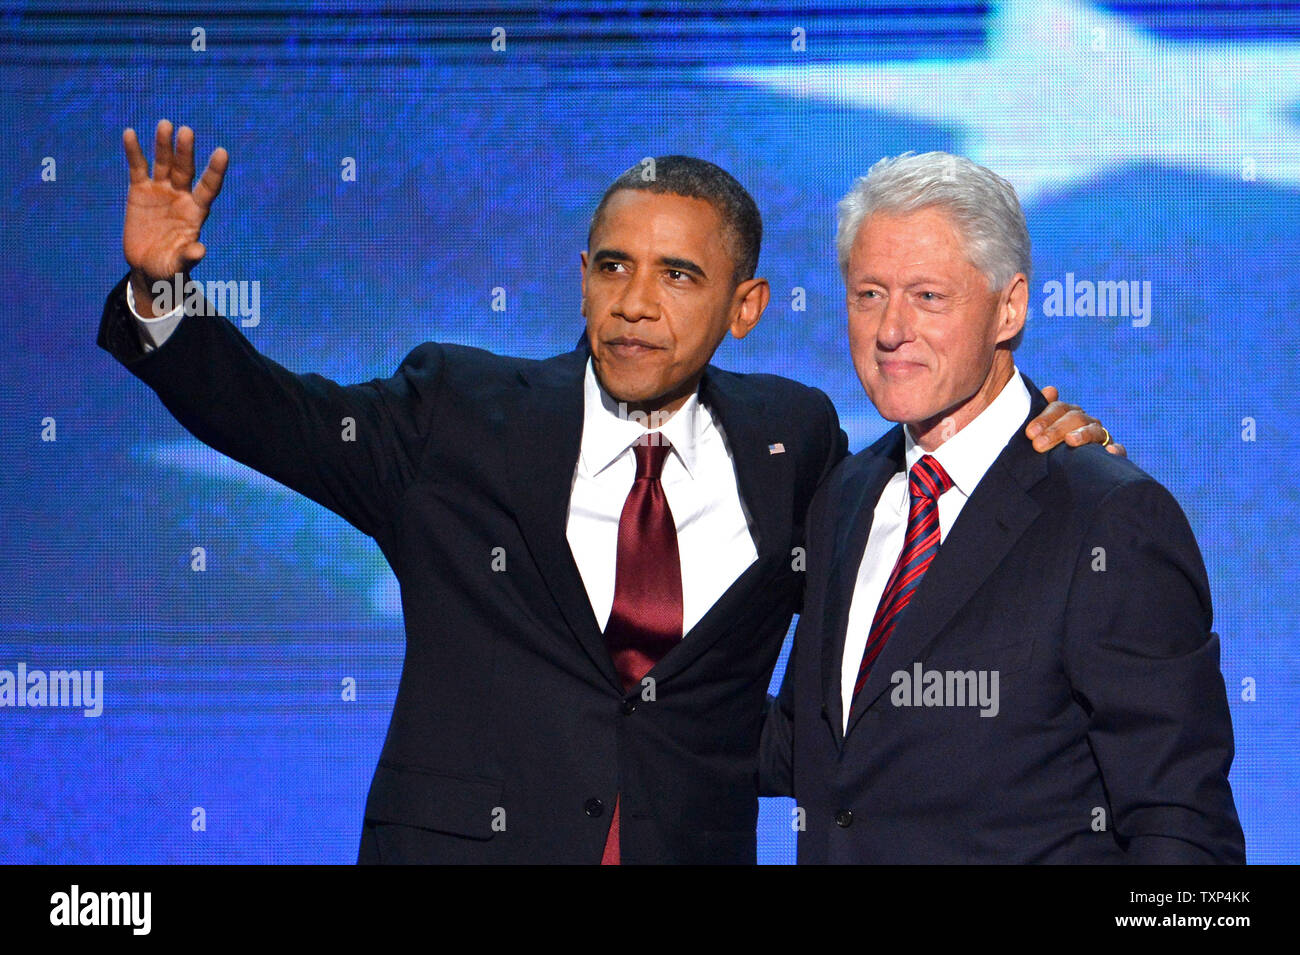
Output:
x,y
982,204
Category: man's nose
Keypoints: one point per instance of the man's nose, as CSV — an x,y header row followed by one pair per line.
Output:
x,y
639,300
895,324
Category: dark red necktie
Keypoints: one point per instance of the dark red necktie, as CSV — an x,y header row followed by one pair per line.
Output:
x,y
646,619
927,481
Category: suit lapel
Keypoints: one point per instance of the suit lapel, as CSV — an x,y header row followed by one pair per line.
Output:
x,y
766,485
864,481
990,523
543,454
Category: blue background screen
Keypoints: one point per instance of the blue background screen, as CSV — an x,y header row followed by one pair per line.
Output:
x,y
1150,142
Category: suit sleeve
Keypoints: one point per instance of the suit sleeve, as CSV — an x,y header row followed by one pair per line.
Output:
x,y
353,449
839,441
1142,661
776,747
836,450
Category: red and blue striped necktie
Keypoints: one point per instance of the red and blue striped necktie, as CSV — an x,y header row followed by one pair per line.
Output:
x,y
926,482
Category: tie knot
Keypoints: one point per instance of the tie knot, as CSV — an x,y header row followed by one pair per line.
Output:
x,y
928,478
651,452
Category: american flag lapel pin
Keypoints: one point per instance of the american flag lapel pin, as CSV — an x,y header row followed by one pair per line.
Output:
x,y
777,448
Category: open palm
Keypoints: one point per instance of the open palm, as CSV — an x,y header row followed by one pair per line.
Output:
x,y
163,216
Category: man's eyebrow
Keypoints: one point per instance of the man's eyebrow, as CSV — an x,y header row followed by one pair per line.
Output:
x,y
608,255
682,265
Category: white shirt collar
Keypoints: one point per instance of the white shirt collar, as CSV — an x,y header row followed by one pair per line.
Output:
x,y
969,453
608,431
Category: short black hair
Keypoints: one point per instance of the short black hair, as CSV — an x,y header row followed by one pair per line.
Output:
x,y
698,179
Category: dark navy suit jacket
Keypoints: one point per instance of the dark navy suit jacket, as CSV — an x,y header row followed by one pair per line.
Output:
x,y
1075,577
511,734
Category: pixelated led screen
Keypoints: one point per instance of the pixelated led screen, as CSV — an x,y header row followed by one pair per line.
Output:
x,y
1153,144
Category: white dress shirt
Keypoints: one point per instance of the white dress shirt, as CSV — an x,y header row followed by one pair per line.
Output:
x,y
966,456
714,541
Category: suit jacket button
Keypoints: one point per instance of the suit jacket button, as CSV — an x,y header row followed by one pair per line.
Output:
x,y
844,818
593,807
629,707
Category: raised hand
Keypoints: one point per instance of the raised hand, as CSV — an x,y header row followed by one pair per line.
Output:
x,y
1069,423
163,216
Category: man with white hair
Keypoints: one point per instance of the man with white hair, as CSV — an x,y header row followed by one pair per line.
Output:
x,y
1003,656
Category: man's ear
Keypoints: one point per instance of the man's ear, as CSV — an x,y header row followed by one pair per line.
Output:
x,y
750,299
582,258
1013,309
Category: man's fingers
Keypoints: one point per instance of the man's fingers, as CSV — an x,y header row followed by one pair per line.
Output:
x,y
209,186
1056,422
137,166
183,162
1094,433
1049,414
162,151
1053,422
1091,433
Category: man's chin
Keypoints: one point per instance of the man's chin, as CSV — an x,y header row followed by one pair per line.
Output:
x,y
632,397
631,392
898,411
636,399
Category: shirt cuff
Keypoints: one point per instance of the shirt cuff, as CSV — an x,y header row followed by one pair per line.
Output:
x,y
154,331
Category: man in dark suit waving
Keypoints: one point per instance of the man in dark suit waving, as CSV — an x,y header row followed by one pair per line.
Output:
x,y
594,551
1003,656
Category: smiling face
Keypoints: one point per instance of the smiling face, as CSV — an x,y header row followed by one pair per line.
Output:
x,y
924,328
658,296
